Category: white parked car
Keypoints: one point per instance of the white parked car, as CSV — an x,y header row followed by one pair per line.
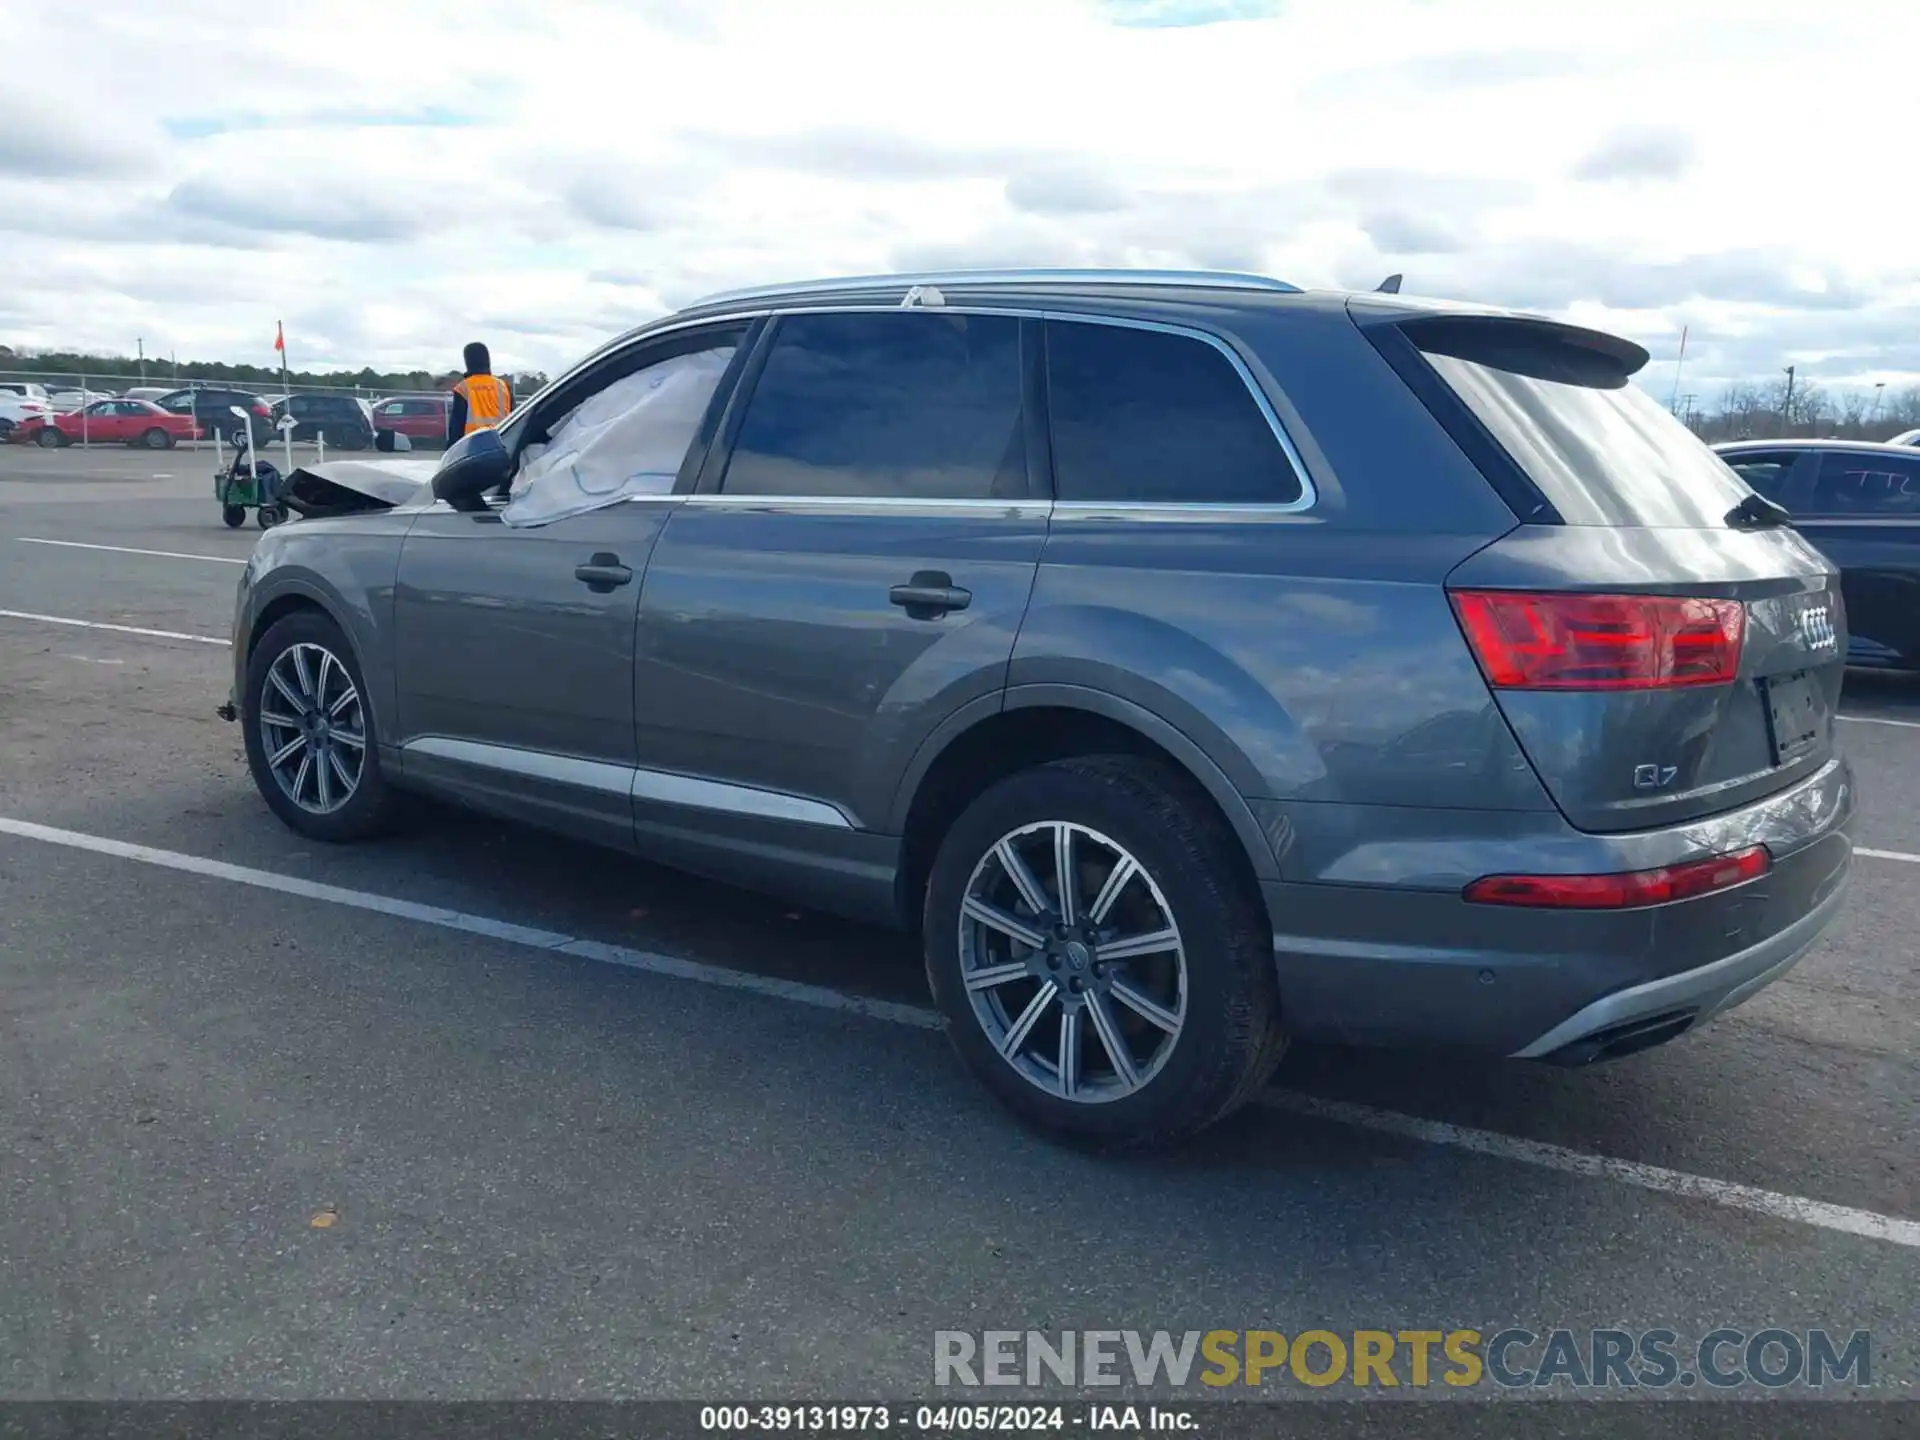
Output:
x,y
1906,437
16,409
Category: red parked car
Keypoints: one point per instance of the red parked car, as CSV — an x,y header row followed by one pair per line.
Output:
x,y
419,418
111,422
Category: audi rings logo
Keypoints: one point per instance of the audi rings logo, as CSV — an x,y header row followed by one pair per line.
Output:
x,y
1816,628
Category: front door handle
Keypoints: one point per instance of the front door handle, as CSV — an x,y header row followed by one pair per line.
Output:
x,y
929,595
603,573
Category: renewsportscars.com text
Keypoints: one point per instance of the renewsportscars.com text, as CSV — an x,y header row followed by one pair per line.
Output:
x,y
1603,1359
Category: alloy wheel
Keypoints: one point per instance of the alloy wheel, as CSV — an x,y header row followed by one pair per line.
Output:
x,y
313,728
1079,979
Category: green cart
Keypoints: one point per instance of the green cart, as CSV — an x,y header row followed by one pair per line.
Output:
x,y
249,485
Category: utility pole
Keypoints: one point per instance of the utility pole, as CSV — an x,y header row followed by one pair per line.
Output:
x,y
1677,366
1879,391
141,346
1786,405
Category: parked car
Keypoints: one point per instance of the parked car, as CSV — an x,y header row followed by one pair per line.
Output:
x,y
1474,701
62,401
1860,504
148,392
18,409
1906,437
422,421
212,409
345,421
25,389
112,422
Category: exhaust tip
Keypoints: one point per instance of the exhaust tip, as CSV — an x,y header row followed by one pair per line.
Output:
x,y
1629,1037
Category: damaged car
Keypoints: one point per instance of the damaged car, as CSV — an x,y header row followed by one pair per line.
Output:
x,y
1191,661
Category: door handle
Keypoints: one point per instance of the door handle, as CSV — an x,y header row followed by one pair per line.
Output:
x,y
603,573
929,595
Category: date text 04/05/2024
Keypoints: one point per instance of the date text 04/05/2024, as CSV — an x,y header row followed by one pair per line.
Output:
x,y
943,1419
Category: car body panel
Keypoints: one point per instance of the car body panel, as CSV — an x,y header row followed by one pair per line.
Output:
x,y
515,676
752,705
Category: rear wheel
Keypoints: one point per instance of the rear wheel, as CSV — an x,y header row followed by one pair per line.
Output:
x,y
267,516
157,439
353,440
234,515
1097,957
49,438
309,733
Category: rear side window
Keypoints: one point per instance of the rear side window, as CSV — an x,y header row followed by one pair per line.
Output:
x,y
1866,485
1766,473
887,404
1147,416
1601,450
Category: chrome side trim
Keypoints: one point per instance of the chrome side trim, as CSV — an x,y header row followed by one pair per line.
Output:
x,y
887,504
666,788
1308,495
533,764
1197,279
660,786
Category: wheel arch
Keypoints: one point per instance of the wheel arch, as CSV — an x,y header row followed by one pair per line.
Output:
x,y
1031,725
293,595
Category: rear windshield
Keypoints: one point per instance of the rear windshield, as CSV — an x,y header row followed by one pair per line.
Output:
x,y
1600,449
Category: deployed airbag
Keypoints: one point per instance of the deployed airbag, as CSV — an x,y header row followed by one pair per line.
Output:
x,y
627,440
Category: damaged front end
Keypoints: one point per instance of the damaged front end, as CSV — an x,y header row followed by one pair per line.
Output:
x,y
352,487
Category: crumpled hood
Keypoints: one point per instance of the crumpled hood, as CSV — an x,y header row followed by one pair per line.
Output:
x,y
343,486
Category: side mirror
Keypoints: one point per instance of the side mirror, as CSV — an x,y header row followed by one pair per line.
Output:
x,y
391,440
474,465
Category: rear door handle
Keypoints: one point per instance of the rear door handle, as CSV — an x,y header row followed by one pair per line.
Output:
x,y
603,573
929,595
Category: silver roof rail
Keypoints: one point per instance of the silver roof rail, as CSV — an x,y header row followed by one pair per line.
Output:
x,y
1205,279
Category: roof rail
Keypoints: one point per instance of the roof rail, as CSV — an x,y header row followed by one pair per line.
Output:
x,y
1209,279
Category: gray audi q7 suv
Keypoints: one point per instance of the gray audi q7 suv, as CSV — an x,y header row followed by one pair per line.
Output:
x,y
1194,661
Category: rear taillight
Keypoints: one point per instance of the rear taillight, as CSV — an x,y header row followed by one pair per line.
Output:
x,y
1624,891
1528,640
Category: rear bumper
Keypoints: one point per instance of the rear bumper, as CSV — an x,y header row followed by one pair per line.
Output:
x,y
1417,965
1659,1010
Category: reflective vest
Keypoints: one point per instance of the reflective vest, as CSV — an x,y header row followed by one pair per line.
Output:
x,y
488,401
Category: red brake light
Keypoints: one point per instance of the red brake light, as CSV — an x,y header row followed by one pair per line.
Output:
x,y
1527,640
1625,891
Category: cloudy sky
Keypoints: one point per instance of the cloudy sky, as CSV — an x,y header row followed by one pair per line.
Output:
x,y
392,180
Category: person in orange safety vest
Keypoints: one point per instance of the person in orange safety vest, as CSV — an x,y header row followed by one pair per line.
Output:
x,y
482,400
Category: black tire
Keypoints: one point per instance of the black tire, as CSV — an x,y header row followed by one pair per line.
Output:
x,y
236,436
234,515
49,438
374,807
6,431
157,439
268,516
1231,1037
353,440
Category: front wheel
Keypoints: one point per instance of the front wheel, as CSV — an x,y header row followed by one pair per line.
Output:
x,y
157,439
49,439
234,515
309,733
268,516
1100,962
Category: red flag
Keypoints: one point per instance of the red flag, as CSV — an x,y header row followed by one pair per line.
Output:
x,y
279,338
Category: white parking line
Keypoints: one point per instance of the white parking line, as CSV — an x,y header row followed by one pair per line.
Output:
x,y
1724,1193
117,629
130,550
1887,855
1728,1195
1879,720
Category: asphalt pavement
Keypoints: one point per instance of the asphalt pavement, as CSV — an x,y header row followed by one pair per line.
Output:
x,y
501,1116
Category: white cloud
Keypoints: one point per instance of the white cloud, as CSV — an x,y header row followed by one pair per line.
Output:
x,y
542,175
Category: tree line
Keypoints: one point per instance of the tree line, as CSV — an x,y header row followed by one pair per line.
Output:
x,y
72,366
1746,411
